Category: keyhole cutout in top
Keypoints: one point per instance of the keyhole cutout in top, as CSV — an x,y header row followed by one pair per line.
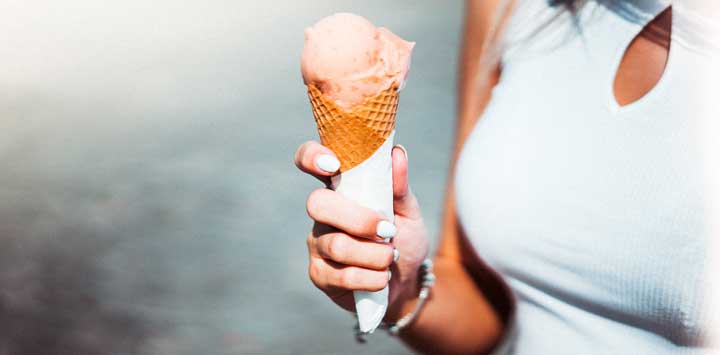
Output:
x,y
643,64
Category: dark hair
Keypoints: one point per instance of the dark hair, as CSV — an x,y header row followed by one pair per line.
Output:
x,y
570,5
653,31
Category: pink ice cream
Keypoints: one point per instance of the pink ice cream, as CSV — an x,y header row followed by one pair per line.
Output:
x,y
349,59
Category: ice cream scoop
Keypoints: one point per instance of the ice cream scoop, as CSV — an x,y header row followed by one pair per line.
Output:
x,y
349,59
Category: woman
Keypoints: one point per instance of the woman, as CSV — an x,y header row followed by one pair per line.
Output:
x,y
574,218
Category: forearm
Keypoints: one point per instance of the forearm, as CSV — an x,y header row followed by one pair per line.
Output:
x,y
456,319
467,308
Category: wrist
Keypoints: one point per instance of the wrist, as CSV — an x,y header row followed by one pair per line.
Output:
x,y
403,295
425,282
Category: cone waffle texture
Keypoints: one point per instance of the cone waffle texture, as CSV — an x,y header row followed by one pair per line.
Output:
x,y
356,134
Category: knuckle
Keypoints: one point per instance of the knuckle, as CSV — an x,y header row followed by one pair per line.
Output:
x,y
337,247
314,274
347,278
309,241
300,153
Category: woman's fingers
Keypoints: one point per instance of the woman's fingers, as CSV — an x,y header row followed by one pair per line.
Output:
x,y
315,159
328,275
405,203
331,208
400,172
344,249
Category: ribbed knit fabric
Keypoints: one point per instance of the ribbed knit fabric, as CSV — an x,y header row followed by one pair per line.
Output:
x,y
592,212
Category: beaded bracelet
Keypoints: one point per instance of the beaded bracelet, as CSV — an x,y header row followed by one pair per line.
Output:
x,y
427,280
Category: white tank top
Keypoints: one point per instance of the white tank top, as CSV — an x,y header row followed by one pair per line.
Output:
x,y
593,213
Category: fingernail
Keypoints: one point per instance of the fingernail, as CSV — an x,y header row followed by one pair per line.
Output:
x,y
327,163
389,275
403,149
396,255
386,230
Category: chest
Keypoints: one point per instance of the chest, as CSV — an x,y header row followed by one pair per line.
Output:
x,y
595,204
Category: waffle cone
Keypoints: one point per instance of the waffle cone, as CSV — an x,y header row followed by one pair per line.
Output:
x,y
356,134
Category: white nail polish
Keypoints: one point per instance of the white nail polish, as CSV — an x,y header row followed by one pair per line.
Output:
x,y
386,230
389,275
396,255
327,163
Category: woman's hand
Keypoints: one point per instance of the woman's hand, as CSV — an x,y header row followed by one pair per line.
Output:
x,y
345,243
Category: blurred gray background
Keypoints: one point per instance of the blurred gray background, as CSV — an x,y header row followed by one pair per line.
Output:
x,y
148,199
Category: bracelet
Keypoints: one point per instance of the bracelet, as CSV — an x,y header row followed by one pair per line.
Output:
x,y
427,280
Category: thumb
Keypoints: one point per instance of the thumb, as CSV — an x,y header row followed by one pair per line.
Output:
x,y
405,203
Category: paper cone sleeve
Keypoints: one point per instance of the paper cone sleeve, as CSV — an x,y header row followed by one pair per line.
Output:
x,y
356,134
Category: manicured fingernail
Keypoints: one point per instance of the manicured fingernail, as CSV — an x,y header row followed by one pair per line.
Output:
x,y
327,163
386,230
396,255
389,275
403,149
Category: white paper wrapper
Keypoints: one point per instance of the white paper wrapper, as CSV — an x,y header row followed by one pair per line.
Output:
x,y
370,184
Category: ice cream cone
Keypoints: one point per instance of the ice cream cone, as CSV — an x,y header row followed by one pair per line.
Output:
x,y
361,138
356,134
353,71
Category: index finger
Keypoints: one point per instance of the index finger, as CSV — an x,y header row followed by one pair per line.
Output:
x,y
333,209
316,159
